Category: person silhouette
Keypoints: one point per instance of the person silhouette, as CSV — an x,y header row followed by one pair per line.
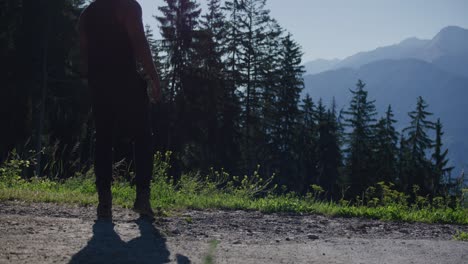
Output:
x,y
112,40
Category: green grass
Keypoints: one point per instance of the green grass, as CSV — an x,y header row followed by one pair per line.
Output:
x,y
209,258
461,236
217,191
167,197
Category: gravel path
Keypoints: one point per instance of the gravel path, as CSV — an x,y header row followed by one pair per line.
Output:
x,y
49,233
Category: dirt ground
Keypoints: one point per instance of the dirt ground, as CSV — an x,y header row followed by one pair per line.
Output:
x,y
49,233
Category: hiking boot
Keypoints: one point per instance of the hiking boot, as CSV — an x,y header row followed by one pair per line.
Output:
x,y
104,209
142,203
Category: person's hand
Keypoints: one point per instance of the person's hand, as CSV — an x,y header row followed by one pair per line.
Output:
x,y
155,91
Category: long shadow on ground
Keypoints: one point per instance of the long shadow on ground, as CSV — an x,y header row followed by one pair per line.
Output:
x,y
106,246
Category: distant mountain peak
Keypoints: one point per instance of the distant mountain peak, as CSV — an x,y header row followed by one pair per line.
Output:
x,y
451,41
320,65
451,33
453,29
413,41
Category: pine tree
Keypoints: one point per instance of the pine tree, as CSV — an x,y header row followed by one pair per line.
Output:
x,y
162,63
328,149
156,50
178,24
419,143
232,43
285,110
212,52
307,142
269,78
322,141
334,155
403,166
249,29
441,171
213,28
288,94
360,120
386,150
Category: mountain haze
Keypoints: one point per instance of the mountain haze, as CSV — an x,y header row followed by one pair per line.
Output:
x,y
320,65
396,75
449,44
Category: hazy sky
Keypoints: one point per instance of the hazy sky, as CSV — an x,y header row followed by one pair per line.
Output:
x,y
339,28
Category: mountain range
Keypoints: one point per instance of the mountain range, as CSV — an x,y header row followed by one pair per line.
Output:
x,y
436,69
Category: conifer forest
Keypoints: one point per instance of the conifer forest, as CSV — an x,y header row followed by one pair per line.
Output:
x,y
232,81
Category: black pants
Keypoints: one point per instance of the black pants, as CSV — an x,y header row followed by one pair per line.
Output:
x,y
122,112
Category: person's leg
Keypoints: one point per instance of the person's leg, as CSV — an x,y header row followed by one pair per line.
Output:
x,y
138,110
143,156
103,160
